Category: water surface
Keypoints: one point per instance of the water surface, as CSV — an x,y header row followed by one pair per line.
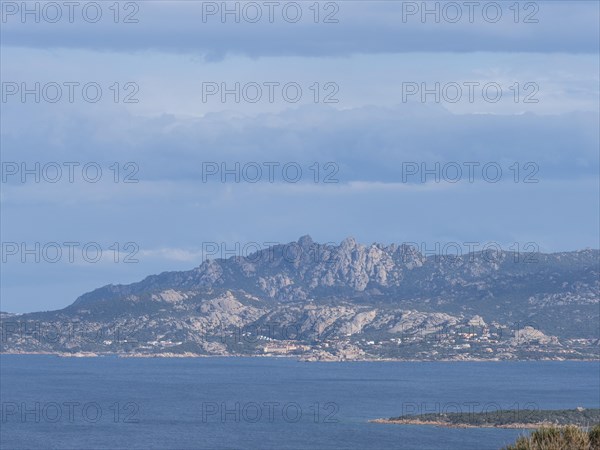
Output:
x,y
270,403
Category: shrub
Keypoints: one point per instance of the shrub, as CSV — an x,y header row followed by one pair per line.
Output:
x,y
569,437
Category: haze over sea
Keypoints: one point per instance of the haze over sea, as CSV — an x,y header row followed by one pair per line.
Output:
x,y
270,403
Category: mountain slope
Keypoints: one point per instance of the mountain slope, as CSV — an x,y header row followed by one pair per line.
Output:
x,y
338,302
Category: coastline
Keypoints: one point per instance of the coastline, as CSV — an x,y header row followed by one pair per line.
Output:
x,y
526,426
297,357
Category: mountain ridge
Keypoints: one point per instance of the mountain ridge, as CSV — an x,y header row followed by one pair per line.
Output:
x,y
347,301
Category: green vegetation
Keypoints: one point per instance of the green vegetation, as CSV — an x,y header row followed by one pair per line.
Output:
x,y
559,438
509,418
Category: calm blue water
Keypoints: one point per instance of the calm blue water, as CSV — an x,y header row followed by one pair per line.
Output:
x,y
227,403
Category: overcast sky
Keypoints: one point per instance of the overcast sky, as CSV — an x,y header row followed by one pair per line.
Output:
x,y
377,120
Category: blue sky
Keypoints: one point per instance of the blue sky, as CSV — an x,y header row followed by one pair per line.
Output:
x,y
367,140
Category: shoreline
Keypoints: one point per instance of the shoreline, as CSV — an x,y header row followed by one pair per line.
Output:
x,y
442,424
297,357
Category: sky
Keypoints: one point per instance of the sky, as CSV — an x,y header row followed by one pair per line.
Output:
x,y
149,136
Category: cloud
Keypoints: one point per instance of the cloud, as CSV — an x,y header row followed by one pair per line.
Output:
x,y
361,27
173,254
371,144
369,166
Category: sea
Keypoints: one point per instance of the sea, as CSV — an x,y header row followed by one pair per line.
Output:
x,y
49,402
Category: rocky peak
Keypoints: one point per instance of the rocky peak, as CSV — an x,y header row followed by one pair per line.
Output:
x,y
305,241
348,243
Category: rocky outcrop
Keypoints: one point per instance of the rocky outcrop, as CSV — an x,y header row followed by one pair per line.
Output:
x,y
337,302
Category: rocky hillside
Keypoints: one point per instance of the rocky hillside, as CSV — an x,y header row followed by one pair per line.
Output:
x,y
351,301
